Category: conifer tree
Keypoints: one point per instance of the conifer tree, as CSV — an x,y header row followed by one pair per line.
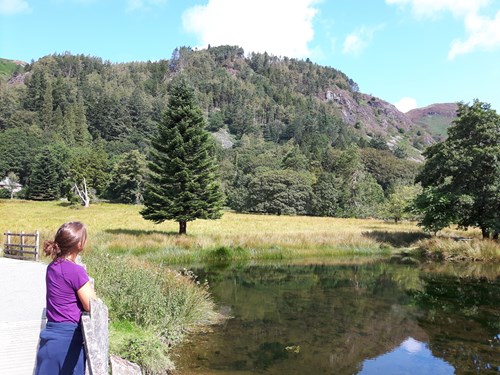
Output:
x,y
44,181
46,112
182,185
81,131
127,178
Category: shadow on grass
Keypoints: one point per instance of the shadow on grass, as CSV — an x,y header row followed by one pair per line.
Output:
x,y
396,239
140,232
65,204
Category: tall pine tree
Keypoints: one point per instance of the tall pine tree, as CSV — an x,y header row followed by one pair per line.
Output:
x,y
182,185
44,183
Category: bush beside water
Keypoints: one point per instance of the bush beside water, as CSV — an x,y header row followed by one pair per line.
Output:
x,y
151,308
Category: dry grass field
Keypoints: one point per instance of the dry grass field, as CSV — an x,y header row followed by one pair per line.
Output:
x,y
120,229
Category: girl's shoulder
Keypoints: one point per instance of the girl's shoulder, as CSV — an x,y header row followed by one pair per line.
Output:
x,y
65,266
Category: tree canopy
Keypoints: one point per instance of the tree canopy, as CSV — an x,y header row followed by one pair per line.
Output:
x,y
461,177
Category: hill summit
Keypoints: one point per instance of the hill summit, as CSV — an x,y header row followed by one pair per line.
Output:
x,y
435,118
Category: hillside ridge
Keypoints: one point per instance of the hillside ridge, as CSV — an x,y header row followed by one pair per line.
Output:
x,y
292,80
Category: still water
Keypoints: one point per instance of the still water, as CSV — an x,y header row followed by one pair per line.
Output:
x,y
377,318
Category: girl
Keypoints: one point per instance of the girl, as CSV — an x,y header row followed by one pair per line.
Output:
x,y
68,293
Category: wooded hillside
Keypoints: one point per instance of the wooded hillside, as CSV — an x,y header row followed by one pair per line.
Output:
x,y
292,137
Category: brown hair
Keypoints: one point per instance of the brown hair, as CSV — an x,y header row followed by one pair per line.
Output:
x,y
67,238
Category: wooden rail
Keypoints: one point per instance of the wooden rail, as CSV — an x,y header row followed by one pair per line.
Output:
x,y
20,249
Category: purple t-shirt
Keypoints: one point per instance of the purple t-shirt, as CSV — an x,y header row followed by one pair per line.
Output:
x,y
63,279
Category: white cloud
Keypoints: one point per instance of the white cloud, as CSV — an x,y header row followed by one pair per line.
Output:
x,y
280,27
9,7
357,41
481,32
431,8
133,5
406,104
412,346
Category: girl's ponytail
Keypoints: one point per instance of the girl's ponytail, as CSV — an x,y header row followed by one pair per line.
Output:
x,y
51,248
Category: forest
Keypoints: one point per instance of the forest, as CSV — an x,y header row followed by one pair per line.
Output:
x,y
290,136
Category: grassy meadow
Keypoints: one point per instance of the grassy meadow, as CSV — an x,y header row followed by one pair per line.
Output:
x,y
117,229
121,230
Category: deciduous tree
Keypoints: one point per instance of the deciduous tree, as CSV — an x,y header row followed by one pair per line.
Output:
x,y
280,192
461,177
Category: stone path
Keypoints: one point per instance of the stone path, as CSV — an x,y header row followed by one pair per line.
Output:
x,y
22,314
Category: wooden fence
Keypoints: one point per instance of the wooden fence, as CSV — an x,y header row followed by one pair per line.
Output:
x,y
21,245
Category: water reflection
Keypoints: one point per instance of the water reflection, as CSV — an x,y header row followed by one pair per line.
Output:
x,y
405,359
348,319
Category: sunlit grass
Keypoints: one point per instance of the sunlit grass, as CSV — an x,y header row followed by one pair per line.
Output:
x,y
151,308
452,250
127,254
121,229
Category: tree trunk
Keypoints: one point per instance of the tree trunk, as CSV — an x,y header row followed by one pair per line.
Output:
x,y
182,227
83,194
485,232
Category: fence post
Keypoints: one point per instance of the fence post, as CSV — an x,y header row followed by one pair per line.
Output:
x,y
37,244
22,244
7,243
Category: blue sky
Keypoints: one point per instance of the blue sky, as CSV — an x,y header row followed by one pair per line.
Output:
x,y
411,53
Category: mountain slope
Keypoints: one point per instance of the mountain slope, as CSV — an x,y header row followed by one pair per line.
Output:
x,y
435,118
277,98
7,67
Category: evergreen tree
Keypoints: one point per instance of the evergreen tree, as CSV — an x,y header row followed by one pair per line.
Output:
x,y
183,184
47,108
81,131
57,129
127,178
44,182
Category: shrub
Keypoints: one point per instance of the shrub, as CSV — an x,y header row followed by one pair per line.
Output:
x,y
156,299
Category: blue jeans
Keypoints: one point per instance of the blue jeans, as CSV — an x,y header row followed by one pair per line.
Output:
x,y
61,350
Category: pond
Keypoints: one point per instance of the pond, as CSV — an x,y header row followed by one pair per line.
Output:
x,y
375,318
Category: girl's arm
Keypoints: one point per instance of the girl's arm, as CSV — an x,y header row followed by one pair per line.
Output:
x,y
85,293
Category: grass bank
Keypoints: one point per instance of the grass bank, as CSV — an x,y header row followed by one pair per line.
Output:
x,y
151,308
452,249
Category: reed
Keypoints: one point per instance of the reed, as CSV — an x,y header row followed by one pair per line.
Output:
x,y
459,249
